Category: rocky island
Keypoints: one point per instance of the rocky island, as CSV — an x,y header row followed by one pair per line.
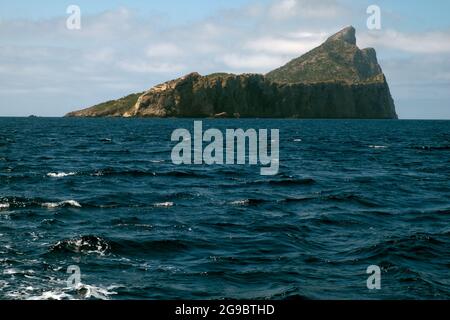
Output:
x,y
335,80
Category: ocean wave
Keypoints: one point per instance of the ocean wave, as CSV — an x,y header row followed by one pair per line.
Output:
x,y
289,293
85,244
89,292
20,203
240,202
11,271
109,172
352,198
154,246
248,202
183,174
79,292
65,203
112,172
60,174
294,200
182,195
377,147
164,204
432,148
288,181
344,198
4,206
292,181
51,222
413,247
50,295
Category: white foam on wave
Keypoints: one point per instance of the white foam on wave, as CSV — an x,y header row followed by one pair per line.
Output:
x,y
10,271
71,203
298,140
88,291
85,244
52,295
4,206
80,292
164,204
60,174
240,202
378,147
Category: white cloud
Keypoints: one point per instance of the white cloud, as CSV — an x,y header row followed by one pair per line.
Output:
x,y
286,9
285,46
163,50
150,67
424,42
251,62
283,9
100,55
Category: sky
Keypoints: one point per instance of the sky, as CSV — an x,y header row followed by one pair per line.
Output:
x,y
129,46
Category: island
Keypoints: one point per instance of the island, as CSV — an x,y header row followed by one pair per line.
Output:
x,y
336,80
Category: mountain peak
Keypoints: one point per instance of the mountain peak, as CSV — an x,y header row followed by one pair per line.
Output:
x,y
347,34
338,59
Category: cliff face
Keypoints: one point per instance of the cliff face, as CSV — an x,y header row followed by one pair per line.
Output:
x,y
335,80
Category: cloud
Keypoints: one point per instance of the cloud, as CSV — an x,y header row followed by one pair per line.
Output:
x,y
297,44
419,70
432,42
283,9
286,9
150,67
251,62
163,50
100,55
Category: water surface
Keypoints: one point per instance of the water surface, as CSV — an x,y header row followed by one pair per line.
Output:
x,y
103,194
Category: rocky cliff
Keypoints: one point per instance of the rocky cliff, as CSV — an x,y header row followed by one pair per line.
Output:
x,y
335,80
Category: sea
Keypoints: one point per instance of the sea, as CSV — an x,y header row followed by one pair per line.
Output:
x,y
95,209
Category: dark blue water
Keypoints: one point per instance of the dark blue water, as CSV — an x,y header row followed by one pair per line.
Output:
x,y
103,194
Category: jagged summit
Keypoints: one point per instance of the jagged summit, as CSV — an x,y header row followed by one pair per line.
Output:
x,y
334,80
347,34
338,59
